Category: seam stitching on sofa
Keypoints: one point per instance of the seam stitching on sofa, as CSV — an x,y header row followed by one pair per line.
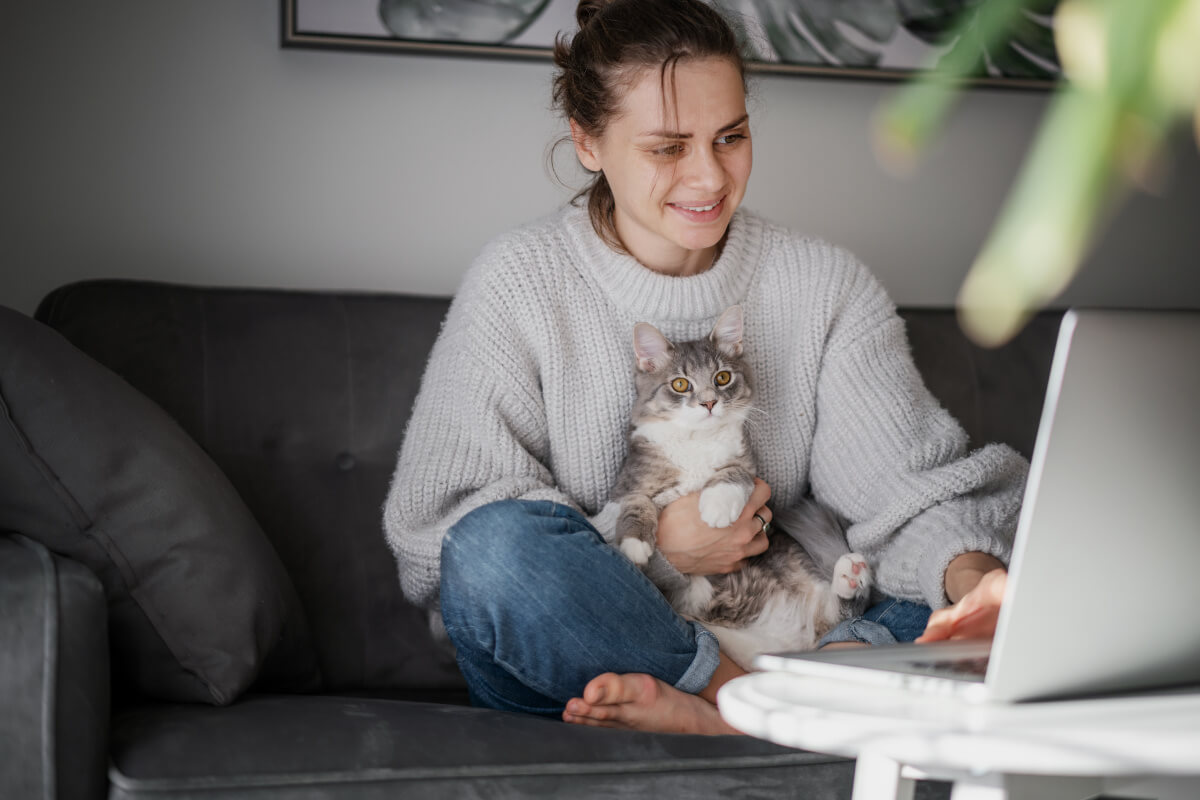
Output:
x,y
49,662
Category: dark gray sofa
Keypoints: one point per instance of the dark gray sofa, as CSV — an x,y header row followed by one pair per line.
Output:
x,y
301,400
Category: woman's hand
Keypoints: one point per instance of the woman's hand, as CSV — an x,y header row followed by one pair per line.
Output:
x,y
972,617
693,548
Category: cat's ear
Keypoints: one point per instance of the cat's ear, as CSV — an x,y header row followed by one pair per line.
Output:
x,y
727,333
652,348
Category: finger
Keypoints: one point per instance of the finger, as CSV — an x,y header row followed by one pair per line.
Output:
x,y
759,521
758,544
941,622
978,624
759,483
752,535
758,498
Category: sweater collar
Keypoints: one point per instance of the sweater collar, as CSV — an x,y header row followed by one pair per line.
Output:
x,y
650,295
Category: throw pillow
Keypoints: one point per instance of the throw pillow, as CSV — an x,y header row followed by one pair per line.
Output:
x,y
199,603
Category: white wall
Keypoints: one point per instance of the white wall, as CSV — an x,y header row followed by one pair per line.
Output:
x,y
178,141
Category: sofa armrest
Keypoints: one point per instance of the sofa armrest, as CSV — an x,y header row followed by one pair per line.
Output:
x,y
54,675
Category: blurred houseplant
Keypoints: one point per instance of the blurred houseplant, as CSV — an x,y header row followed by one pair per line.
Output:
x,y
1133,75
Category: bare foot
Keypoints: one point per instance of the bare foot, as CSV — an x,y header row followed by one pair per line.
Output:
x,y
643,703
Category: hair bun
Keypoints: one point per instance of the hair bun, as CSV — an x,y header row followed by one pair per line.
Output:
x,y
586,11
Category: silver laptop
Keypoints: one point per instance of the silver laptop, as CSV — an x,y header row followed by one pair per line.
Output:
x,y
1104,583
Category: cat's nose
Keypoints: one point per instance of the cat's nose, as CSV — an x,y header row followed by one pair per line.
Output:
x,y
709,405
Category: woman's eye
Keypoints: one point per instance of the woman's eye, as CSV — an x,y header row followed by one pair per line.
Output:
x,y
681,385
730,138
669,150
722,378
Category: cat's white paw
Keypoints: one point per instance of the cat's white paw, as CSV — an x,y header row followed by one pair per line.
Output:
x,y
851,577
636,550
720,505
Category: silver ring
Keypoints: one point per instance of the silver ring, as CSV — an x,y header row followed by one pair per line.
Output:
x,y
766,526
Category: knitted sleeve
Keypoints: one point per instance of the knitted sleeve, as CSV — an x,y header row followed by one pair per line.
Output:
x,y
477,433
891,460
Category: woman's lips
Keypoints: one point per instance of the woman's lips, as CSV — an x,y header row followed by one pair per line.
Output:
x,y
700,212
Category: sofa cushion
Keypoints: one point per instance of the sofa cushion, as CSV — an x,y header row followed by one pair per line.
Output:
x,y
329,747
199,604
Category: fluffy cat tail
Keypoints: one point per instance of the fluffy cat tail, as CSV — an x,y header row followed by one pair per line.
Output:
x,y
818,530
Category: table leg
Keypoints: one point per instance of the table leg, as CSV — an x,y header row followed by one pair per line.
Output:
x,y
878,777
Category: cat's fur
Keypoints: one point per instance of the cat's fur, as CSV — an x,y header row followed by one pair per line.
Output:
x,y
695,440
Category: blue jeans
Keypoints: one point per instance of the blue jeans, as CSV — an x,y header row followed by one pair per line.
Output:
x,y
887,622
537,604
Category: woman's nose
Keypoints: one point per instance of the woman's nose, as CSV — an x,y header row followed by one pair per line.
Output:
x,y
705,170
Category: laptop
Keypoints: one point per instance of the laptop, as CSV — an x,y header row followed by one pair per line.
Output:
x,y
1104,582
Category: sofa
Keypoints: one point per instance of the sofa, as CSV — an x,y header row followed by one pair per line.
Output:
x,y
196,597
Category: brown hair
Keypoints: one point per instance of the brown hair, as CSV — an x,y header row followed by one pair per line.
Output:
x,y
616,40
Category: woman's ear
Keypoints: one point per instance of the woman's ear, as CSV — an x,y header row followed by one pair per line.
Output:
x,y
585,148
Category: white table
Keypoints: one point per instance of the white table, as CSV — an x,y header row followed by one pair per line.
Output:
x,y
1133,746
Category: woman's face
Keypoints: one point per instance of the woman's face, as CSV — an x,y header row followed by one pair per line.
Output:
x,y
677,173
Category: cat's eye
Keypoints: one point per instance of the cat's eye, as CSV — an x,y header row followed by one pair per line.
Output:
x,y
681,385
722,378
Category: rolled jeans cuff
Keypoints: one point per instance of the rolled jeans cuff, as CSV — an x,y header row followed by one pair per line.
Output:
x,y
708,656
858,630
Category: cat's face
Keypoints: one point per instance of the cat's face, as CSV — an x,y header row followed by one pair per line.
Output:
x,y
699,384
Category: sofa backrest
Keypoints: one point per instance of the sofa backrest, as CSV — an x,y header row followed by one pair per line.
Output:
x,y
302,399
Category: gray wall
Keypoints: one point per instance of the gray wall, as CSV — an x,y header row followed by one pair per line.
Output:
x,y
177,141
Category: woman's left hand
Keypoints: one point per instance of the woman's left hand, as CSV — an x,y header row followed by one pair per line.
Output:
x,y
972,617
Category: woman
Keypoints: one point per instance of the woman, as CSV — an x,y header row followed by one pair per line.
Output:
x,y
497,511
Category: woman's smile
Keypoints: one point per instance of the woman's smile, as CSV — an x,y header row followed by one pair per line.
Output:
x,y
700,212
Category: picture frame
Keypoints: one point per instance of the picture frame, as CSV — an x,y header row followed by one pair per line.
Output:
x,y
870,39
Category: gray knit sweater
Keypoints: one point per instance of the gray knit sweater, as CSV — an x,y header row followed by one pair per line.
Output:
x,y
529,390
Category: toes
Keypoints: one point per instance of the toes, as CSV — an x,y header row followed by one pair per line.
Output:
x,y
580,712
602,688
613,689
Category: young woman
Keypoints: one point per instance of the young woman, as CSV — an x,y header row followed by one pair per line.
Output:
x,y
497,511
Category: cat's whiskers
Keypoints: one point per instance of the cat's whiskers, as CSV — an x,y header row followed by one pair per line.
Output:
x,y
754,416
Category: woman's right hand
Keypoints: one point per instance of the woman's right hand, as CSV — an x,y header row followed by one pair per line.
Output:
x,y
693,548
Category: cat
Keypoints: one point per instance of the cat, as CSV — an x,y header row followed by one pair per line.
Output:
x,y
689,434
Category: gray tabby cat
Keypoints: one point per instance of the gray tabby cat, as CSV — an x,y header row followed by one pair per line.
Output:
x,y
689,434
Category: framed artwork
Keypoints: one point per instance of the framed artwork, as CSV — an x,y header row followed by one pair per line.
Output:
x,y
873,39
